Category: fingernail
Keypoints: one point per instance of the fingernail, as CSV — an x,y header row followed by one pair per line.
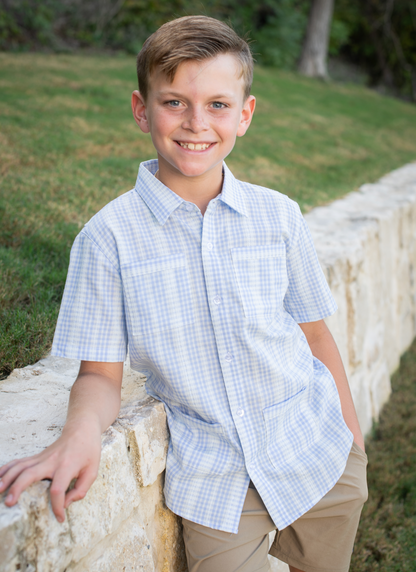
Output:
x,y
9,498
61,519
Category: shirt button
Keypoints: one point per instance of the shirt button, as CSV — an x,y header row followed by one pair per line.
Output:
x,y
210,246
217,300
228,357
240,412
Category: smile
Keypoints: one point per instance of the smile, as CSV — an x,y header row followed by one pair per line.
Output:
x,y
194,146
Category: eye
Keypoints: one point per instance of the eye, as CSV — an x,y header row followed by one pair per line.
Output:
x,y
218,105
173,103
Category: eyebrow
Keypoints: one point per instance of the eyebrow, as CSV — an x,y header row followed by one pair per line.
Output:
x,y
179,95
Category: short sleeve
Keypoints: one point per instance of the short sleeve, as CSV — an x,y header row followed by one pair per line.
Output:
x,y
308,297
91,324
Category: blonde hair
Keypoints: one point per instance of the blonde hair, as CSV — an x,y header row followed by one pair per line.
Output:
x,y
191,38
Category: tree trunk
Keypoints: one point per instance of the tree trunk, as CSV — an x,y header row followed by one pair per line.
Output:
x,y
315,48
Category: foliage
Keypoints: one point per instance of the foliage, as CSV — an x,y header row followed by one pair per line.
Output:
x,y
275,26
68,145
381,36
377,34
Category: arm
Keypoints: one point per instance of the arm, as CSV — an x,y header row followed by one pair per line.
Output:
x,y
324,348
93,405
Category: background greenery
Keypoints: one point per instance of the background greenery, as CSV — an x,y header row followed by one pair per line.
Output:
x,y
377,35
68,145
386,539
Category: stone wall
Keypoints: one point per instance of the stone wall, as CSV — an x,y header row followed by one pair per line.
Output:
x,y
366,243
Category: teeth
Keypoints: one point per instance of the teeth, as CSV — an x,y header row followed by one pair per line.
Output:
x,y
194,146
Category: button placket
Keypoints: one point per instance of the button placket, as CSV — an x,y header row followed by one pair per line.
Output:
x,y
222,335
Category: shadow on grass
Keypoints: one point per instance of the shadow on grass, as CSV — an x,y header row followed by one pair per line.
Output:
x,y
386,539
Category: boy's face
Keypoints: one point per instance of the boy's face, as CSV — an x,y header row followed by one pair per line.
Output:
x,y
194,120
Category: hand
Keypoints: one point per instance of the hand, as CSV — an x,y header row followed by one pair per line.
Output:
x,y
76,454
359,440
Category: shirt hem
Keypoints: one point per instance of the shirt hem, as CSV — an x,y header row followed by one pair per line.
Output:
x,y
199,521
87,357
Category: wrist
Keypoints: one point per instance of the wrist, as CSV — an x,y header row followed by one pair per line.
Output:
x,y
86,425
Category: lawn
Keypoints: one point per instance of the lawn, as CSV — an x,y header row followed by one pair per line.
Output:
x,y
386,539
68,145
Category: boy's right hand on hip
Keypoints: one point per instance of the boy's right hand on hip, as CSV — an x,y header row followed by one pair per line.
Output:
x,y
75,455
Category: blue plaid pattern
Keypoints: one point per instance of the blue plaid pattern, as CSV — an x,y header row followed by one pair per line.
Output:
x,y
209,308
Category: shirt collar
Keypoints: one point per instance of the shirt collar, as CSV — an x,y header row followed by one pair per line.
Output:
x,y
160,200
231,192
163,202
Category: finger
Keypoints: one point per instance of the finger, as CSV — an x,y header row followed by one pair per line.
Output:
x,y
27,476
7,466
59,486
14,471
82,486
11,464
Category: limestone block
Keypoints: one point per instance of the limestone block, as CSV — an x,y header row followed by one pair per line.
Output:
x,y
34,402
366,243
131,552
147,437
277,566
33,406
29,536
166,534
110,500
34,537
33,411
150,539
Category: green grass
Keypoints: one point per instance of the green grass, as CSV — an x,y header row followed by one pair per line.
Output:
x,y
68,145
386,539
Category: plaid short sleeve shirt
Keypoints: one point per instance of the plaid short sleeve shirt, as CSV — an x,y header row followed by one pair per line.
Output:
x,y
209,308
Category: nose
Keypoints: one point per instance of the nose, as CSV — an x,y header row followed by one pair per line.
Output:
x,y
195,120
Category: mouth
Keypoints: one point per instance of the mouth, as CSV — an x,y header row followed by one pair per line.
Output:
x,y
194,146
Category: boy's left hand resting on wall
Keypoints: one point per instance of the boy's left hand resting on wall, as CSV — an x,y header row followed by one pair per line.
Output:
x,y
93,405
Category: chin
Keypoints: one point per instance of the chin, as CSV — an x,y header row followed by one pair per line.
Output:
x,y
199,168
194,172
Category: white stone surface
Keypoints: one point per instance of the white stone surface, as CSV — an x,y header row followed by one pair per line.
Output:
x,y
275,564
366,244
126,496
147,438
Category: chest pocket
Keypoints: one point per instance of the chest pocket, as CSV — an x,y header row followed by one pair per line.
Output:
x,y
262,281
158,294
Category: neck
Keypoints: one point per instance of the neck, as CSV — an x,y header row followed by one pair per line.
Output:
x,y
198,190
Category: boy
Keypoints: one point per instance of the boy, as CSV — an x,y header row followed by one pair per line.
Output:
x,y
215,287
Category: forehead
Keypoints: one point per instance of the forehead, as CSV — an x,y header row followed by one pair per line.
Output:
x,y
193,76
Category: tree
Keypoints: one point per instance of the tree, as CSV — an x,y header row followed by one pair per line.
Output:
x,y
315,48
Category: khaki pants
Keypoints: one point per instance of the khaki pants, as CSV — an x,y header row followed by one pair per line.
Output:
x,y
319,541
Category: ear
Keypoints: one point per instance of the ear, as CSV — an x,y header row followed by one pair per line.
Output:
x,y
138,107
246,115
